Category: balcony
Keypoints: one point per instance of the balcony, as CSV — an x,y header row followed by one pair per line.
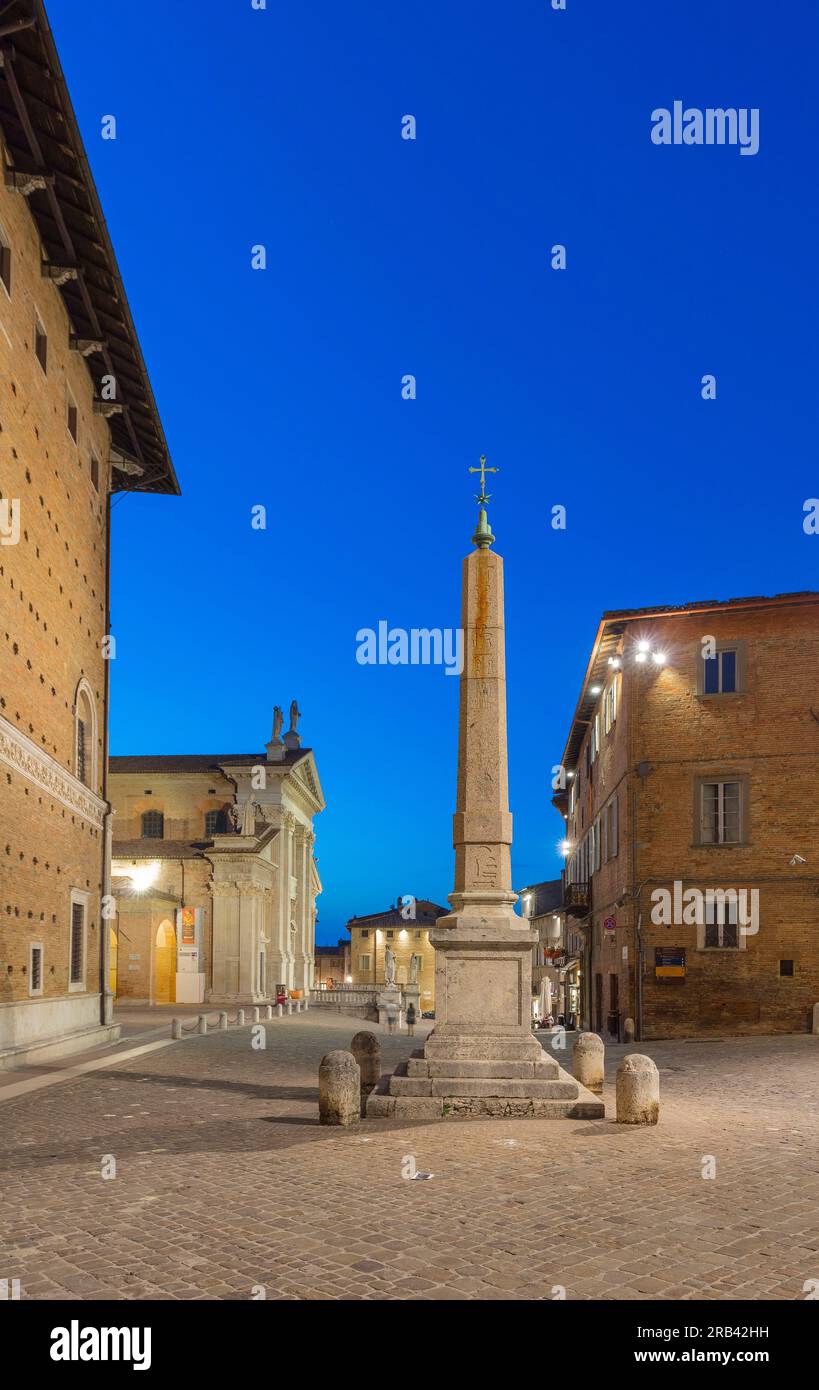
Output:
x,y
576,899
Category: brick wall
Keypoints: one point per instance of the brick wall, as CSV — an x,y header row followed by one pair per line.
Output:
x,y
52,615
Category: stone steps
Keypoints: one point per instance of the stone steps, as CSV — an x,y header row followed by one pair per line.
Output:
x,y
491,1086
509,1071
412,1108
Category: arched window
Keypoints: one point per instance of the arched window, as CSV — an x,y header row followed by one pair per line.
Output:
x,y
153,825
85,735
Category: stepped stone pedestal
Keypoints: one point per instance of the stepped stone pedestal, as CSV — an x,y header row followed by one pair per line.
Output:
x,y
481,1058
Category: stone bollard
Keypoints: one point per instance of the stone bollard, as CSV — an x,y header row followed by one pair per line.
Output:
x,y
628,1030
290,1006
306,1003
280,1010
816,1018
269,1011
223,1020
366,1049
638,1091
203,1023
240,1018
256,1014
339,1089
176,1028
588,1056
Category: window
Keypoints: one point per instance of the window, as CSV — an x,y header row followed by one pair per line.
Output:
x,y
82,769
721,812
5,262
417,936
153,825
76,955
611,830
71,416
595,737
363,962
35,969
588,757
95,472
365,932
40,343
721,929
390,935
786,967
572,795
215,823
85,735
722,672
610,706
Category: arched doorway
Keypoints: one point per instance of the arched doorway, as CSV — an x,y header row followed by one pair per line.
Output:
x,y
165,964
112,960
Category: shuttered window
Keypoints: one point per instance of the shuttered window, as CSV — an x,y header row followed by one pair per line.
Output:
x,y
77,933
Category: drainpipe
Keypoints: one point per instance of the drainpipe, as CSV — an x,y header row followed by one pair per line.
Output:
x,y
106,996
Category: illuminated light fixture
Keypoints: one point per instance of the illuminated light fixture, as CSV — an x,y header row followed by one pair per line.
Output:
x,y
143,876
641,656
658,658
594,689
402,935
348,979
570,775
643,645
565,846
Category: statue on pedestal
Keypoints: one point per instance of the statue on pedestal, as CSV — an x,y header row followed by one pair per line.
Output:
x,y
415,966
389,966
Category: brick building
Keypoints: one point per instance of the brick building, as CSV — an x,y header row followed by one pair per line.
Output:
x,y
406,928
692,818
77,423
213,873
332,966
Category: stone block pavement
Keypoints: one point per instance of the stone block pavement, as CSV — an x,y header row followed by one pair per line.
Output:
x,y
226,1185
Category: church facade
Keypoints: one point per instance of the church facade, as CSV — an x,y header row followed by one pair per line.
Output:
x,y
214,875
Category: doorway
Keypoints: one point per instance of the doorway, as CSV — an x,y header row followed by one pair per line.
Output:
x,y
165,964
112,960
598,1003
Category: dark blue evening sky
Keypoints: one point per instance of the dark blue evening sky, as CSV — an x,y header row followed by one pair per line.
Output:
x,y
387,257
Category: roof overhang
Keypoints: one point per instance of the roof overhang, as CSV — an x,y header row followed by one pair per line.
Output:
x,y
44,157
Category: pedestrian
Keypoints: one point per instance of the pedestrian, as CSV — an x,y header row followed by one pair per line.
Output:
x,y
411,1020
391,1020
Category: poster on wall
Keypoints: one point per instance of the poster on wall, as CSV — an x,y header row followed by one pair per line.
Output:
x,y
669,962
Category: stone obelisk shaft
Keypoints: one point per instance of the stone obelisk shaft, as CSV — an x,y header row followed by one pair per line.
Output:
x,y
482,825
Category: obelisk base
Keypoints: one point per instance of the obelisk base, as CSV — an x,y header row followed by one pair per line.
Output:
x,y
483,1001
481,1059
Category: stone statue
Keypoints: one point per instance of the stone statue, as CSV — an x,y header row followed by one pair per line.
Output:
x,y
415,966
295,716
389,966
278,721
248,819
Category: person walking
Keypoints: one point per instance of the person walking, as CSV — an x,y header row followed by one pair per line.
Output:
x,y
411,1016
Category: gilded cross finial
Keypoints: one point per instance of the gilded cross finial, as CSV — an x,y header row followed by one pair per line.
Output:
x,y
483,537
483,470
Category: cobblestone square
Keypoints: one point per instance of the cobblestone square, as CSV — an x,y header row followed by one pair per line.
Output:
x,y
226,1186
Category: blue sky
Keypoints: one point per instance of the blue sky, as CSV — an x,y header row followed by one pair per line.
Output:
x,y
431,257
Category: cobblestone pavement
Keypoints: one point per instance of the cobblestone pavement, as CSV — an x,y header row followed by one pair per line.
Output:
x,y
225,1182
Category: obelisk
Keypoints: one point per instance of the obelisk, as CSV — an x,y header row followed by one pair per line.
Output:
x,y
483,965
481,1058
